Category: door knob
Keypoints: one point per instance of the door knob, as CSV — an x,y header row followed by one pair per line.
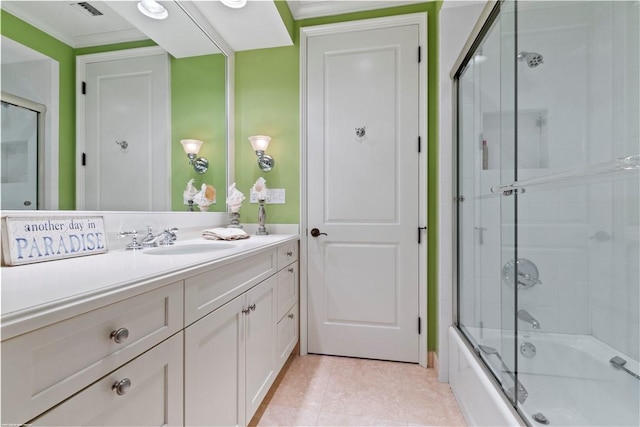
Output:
x,y
315,232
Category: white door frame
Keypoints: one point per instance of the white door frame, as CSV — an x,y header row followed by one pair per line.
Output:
x,y
81,63
367,24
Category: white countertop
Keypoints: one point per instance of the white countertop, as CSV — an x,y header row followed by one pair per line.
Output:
x,y
38,294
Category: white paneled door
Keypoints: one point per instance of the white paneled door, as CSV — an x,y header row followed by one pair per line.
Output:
x,y
127,134
362,183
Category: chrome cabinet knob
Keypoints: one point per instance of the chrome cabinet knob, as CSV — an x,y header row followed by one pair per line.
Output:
x,y
291,316
120,335
252,307
291,270
121,387
290,253
246,310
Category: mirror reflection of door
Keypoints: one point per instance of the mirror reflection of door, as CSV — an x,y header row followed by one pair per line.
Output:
x,y
21,132
126,132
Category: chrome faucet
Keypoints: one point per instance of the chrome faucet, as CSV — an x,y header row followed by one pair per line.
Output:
x,y
164,238
526,317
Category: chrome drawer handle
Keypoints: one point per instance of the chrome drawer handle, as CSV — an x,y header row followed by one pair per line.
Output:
x,y
290,253
246,310
290,316
291,270
122,386
252,307
120,335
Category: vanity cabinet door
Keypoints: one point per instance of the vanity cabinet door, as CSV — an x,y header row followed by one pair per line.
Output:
x,y
287,289
261,324
287,336
215,367
208,291
45,366
230,359
287,254
145,392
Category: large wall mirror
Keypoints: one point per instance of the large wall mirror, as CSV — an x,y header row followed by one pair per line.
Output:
x,y
48,49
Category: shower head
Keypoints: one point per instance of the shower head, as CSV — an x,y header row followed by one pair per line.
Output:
x,y
533,59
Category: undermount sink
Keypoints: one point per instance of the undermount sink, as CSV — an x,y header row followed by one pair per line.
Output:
x,y
193,248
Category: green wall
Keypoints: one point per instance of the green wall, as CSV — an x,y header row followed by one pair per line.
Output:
x,y
267,95
18,30
198,111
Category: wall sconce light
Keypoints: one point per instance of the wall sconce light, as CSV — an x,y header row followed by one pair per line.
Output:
x,y
260,144
192,148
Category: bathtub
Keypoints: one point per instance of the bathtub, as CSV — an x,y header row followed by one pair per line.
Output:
x,y
569,380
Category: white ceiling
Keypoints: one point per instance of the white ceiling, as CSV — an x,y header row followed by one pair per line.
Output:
x,y
257,25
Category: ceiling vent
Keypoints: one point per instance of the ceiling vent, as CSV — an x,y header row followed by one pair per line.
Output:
x,y
87,9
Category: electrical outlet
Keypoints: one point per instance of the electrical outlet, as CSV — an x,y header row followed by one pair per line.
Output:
x,y
275,196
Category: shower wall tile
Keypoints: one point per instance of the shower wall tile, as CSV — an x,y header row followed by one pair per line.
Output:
x,y
633,340
491,314
601,324
574,295
574,268
491,289
574,320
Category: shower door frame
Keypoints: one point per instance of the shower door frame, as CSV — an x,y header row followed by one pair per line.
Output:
x,y
41,111
487,17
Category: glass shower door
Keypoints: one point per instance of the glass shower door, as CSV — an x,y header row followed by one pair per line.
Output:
x,y
578,126
486,111
19,157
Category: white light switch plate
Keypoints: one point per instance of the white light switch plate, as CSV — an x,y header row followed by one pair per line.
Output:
x,y
275,196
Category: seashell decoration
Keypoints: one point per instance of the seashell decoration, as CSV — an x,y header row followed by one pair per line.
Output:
x,y
205,197
189,192
234,198
260,189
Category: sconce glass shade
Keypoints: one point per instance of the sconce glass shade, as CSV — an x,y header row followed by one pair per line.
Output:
x,y
152,9
192,148
260,143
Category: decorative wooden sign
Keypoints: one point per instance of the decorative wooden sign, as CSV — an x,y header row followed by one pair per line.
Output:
x,y
29,240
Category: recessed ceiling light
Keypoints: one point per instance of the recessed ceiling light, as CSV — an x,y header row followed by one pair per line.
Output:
x,y
234,4
152,9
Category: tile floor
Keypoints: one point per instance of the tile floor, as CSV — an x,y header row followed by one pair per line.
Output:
x,y
338,391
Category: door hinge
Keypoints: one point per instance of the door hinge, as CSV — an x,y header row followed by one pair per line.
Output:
x,y
419,325
420,234
419,144
419,54
84,159
84,88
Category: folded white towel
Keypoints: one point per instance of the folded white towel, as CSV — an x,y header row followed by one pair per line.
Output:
x,y
224,234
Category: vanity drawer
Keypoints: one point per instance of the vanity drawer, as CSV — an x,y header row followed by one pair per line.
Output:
x,y
287,335
287,254
287,289
45,366
145,392
207,291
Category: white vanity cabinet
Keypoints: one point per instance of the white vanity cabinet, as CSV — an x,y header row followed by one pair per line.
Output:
x,y
144,392
43,367
234,353
200,345
230,357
